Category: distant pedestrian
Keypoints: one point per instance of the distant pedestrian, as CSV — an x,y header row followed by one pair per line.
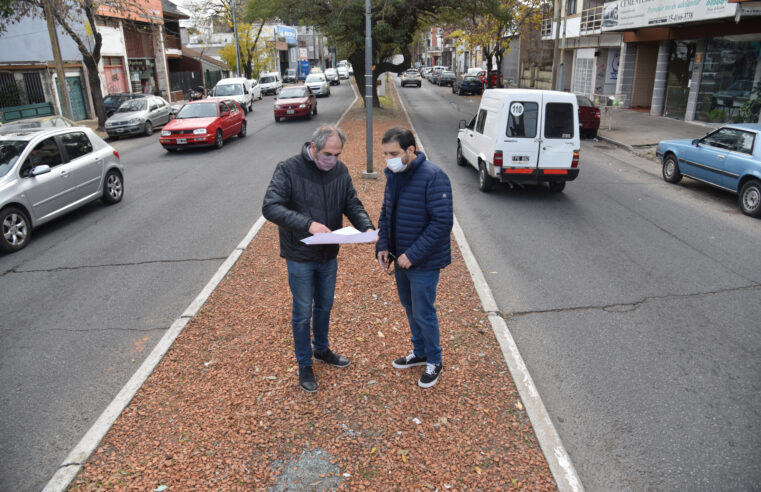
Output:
x,y
413,232
310,193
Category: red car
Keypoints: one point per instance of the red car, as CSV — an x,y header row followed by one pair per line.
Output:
x,y
482,78
294,101
204,123
589,117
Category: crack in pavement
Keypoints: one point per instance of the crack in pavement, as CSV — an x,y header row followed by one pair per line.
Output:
x,y
625,307
106,265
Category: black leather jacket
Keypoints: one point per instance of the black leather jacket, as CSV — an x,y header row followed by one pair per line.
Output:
x,y
300,194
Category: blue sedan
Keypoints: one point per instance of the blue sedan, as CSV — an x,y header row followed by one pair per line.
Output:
x,y
727,158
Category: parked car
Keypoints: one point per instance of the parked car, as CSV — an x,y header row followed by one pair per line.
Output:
x,y
589,116
411,77
332,75
204,123
470,84
271,82
315,70
494,77
236,88
138,116
522,136
425,72
343,72
113,101
39,122
434,76
290,76
48,172
256,89
445,78
295,101
728,158
318,84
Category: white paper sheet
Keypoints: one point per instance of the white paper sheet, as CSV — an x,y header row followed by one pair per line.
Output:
x,y
342,236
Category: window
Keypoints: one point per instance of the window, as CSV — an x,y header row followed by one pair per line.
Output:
x,y
558,120
472,123
730,139
45,153
522,119
154,106
481,121
76,144
222,107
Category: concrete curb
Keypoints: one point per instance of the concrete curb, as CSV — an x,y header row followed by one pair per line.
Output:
x,y
557,458
615,142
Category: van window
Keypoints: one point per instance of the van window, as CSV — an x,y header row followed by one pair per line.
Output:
x,y
558,120
481,121
521,119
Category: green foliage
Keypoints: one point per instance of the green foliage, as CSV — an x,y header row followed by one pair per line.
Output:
x,y
750,110
717,115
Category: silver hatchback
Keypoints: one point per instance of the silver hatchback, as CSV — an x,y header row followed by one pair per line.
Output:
x,y
47,173
138,116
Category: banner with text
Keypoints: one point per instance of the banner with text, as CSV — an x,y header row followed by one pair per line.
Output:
x,y
632,14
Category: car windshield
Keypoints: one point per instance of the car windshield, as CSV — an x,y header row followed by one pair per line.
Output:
x,y
447,74
267,79
472,78
133,105
10,150
315,78
205,110
584,101
293,92
228,90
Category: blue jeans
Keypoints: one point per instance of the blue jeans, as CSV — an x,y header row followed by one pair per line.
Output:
x,y
312,286
417,293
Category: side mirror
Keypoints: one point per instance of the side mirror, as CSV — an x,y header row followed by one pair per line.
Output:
x,y
41,169
463,124
695,142
172,116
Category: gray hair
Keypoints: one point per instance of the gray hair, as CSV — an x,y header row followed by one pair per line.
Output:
x,y
323,133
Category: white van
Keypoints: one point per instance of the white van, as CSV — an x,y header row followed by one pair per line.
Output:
x,y
270,82
237,88
522,136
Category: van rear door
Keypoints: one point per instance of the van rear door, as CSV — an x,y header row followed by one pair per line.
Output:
x,y
560,133
520,138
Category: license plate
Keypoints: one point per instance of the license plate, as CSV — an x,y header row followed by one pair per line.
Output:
x,y
182,140
290,111
120,130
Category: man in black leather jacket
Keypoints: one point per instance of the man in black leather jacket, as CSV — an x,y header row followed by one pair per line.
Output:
x,y
310,193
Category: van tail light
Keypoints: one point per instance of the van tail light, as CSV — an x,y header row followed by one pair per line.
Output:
x,y
597,114
116,154
575,161
497,160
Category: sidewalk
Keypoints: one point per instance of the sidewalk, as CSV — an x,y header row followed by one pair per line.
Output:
x,y
223,409
637,130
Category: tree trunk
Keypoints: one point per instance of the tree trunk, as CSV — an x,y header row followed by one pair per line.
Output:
x,y
97,94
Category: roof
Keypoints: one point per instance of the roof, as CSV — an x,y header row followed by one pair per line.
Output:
x,y
173,10
191,53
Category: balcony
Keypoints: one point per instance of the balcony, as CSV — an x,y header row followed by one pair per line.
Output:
x,y
591,20
172,42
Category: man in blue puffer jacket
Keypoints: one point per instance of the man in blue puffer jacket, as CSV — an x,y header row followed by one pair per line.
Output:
x,y
413,232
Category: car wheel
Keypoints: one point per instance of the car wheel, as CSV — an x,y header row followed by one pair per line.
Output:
x,y
277,118
557,186
242,132
485,182
219,141
113,187
148,130
245,110
671,169
310,113
750,198
315,110
453,91
16,230
460,159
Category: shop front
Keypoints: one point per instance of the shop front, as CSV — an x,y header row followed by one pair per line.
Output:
x,y
143,75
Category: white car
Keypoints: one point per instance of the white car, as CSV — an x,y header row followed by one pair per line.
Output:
x,y
236,88
318,84
332,75
343,72
256,89
270,82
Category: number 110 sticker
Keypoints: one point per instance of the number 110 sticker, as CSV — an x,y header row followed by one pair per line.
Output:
x,y
516,109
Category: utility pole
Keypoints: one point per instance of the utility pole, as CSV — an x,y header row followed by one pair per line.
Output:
x,y
368,94
65,103
235,33
562,47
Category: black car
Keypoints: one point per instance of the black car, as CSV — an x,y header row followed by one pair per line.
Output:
x,y
467,83
290,76
446,78
113,101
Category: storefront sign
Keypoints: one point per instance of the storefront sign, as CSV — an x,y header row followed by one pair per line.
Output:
x,y
289,33
632,14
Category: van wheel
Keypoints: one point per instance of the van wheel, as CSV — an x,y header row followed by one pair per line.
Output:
x,y
750,198
671,170
460,159
557,186
485,182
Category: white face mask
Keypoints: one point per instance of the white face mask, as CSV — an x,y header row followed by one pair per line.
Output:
x,y
395,165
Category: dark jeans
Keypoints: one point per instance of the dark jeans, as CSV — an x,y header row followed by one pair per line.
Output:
x,y
312,286
417,293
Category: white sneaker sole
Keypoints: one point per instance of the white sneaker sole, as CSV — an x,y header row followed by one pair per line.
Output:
x,y
428,385
407,366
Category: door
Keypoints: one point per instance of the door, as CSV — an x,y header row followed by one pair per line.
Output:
x,y
644,75
227,121
706,160
85,166
739,160
76,97
47,192
560,124
520,140
678,82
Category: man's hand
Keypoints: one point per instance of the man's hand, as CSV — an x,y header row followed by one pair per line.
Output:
x,y
403,262
376,237
383,259
316,227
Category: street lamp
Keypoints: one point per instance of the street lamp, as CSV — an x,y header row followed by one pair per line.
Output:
x,y
368,95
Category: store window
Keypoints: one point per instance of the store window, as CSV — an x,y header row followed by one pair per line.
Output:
x,y
730,86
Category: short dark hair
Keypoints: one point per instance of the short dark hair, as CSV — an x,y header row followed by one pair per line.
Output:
x,y
403,136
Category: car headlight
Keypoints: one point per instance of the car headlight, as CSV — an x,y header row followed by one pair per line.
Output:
x,y
302,105
277,106
165,133
199,131
134,121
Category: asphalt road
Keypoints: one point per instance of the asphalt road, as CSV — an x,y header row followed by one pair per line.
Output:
x,y
93,292
635,304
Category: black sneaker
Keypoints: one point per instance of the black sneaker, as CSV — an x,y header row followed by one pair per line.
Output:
x,y
410,360
430,376
306,379
330,357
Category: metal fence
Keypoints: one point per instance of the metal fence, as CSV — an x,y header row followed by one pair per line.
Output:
x,y
14,92
212,77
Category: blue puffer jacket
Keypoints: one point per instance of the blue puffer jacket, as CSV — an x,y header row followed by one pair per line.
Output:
x,y
423,218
